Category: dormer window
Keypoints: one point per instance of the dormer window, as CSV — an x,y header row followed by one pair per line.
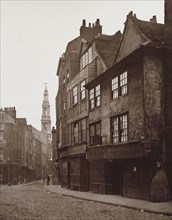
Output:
x,y
86,58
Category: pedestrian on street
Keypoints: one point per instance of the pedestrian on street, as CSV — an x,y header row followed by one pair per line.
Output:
x,y
48,180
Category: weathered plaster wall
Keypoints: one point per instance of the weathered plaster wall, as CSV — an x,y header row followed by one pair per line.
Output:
x,y
131,103
153,97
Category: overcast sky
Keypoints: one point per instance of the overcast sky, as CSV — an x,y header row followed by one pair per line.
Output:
x,y
34,34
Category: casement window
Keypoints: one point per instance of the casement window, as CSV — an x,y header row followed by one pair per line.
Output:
x,y
76,133
119,128
75,95
83,90
97,98
79,131
123,83
119,85
86,58
94,132
115,87
94,98
83,126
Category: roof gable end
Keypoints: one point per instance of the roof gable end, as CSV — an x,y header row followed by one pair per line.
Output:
x,y
131,40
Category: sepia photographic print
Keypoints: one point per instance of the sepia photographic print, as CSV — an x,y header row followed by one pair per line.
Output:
x,y
86,110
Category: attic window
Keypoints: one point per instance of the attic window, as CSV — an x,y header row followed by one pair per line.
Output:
x,y
86,58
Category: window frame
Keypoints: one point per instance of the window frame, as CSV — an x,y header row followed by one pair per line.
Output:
x,y
86,58
95,131
76,137
83,129
82,90
119,134
120,86
95,97
75,95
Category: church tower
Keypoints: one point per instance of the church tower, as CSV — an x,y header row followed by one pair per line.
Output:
x,y
46,120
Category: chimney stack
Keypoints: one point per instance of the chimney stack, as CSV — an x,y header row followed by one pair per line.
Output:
x,y
88,33
153,19
83,23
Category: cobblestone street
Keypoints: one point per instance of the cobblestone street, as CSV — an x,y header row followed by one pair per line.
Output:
x,y
32,202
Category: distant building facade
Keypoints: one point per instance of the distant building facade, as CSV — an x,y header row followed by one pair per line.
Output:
x,y
23,149
113,110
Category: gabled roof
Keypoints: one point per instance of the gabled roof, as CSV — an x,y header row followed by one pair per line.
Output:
x,y
106,46
152,30
139,33
73,45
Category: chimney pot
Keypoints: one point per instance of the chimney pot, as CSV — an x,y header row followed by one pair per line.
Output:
x,y
97,23
89,24
83,22
153,19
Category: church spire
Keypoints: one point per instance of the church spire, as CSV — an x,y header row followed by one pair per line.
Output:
x,y
46,119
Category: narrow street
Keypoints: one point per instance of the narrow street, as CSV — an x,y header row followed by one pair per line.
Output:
x,y
32,202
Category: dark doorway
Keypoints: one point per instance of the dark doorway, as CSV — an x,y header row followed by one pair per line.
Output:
x,y
114,177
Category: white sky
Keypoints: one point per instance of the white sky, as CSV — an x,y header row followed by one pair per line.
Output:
x,y
34,34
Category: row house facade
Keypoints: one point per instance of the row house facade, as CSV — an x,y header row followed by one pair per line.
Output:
x,y
21,154
114,130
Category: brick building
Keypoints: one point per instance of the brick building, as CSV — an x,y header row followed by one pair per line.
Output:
x,y
23,149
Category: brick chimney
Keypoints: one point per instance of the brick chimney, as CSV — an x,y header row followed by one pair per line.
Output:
x,y
11,111
88,33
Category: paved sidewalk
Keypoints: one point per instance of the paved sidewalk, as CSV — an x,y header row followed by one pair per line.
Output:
x,y
142,205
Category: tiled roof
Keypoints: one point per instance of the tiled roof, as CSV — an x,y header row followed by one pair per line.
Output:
x,y
73,45
153,31
107,46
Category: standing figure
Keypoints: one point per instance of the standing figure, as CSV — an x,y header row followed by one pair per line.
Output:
x,y
48,180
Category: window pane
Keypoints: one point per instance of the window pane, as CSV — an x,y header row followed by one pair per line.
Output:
x,y
75,96
90,55
92,130
76,133
83,130
91,94
92,104
115,87
98,132
123,83
98,101
98,90
83,90
115,136
123,128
